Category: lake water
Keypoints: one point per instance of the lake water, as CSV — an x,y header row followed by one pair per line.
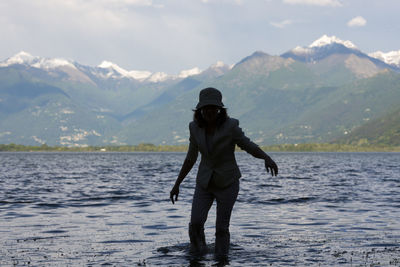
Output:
x,y
92,209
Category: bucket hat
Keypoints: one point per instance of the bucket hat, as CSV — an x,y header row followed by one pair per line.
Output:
x,y
210,96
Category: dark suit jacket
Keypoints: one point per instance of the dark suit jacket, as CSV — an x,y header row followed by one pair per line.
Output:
x,y
220,162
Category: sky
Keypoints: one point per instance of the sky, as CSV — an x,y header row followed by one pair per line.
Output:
x,y
174,35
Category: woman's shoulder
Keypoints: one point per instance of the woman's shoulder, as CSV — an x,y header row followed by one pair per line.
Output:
x,y
193,125
232,121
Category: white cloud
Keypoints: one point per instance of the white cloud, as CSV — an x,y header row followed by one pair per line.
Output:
x,y
333,3
357,22
95,16
282,24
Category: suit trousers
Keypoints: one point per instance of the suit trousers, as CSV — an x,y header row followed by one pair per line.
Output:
x,y
203,200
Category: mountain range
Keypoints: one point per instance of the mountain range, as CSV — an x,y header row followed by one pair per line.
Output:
x,y
326,92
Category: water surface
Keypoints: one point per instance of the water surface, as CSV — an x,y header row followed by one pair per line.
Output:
x,y
324,209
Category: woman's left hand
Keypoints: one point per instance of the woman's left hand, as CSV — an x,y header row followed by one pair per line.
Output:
x,y
174,194
270,165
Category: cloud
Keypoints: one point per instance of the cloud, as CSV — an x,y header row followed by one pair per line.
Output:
x,y
281,24
236,2
135,2
119,2
148,3
357,22
334,3
95,16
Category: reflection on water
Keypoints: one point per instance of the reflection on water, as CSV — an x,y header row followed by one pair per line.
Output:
x,y
326,209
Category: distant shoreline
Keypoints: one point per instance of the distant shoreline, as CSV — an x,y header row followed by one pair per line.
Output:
x,y
316,147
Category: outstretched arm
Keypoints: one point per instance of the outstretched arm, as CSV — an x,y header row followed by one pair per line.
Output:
x,y
246,144
270,165
186,167
190,160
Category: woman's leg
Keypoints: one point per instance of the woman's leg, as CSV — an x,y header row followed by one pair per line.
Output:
x,y
202,202
226,199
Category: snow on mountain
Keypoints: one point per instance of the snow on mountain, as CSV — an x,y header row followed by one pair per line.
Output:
x,y
326,46
158,77
25,58
320,43
299,50
220,64
327,40
105,70
19,58
321,48
115,69
190,72
161,76
391,58
53,63
217,69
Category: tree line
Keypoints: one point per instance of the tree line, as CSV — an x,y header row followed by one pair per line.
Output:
x,y
147,147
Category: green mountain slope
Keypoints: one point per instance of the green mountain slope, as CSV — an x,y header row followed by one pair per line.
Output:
x,y
345,108
280,100
277,100
384,130
56,120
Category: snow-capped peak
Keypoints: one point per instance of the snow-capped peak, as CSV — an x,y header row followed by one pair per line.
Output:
x,y
135,74
327,40
320,48
391,58
190,72
158,77
109,65
52,63
36,62
19,58
218,64
114,69
106,69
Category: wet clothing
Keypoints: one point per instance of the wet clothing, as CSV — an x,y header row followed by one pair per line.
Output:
x,y
217,179
204,198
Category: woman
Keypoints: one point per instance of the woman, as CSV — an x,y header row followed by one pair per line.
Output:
x,y
215,135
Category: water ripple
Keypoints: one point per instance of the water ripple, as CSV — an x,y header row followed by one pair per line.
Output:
x,y
80,209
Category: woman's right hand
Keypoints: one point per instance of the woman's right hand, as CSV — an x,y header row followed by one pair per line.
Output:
x,y
270,165
174,193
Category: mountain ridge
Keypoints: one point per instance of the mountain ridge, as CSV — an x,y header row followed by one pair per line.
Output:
x,y
105,69
391,58
278,99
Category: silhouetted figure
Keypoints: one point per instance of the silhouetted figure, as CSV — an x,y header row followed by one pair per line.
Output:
x,y
215,135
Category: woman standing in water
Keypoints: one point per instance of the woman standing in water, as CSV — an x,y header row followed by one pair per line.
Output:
x,y
215,135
